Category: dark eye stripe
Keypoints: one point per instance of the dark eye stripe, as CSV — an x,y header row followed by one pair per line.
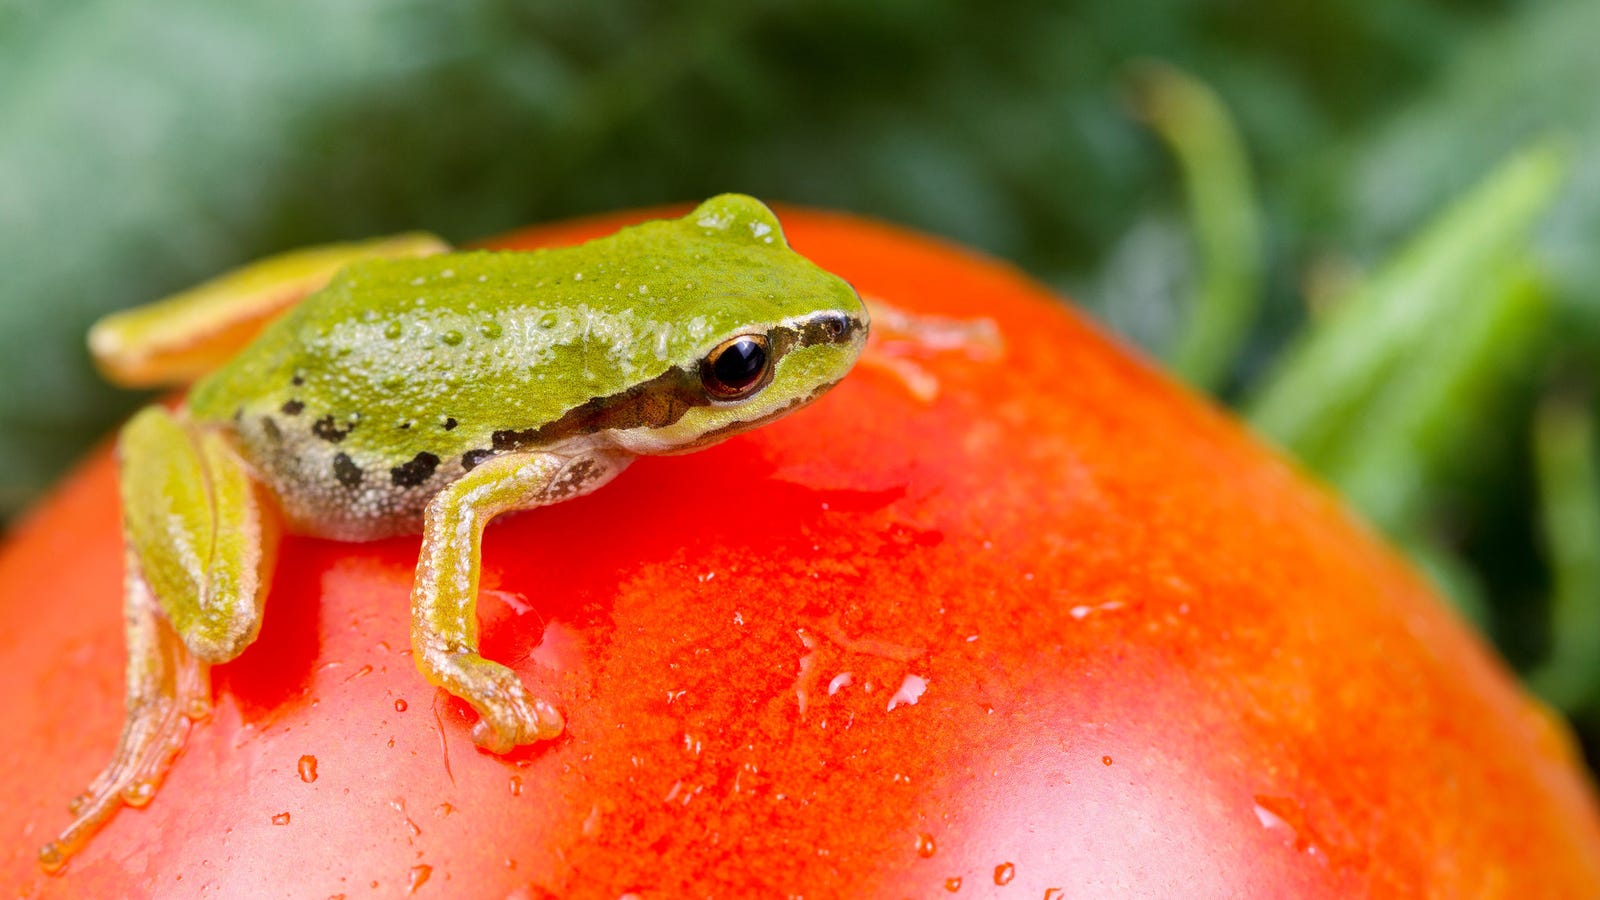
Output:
x,y
661,401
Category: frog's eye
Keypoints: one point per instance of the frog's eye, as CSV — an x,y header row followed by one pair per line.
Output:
x,y
736,368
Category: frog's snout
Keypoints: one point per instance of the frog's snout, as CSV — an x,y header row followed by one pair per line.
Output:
x,y
832,328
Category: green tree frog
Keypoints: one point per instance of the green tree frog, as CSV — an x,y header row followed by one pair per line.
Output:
x,y
366,390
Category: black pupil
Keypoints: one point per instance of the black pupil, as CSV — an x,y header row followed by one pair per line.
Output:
x,y
740,364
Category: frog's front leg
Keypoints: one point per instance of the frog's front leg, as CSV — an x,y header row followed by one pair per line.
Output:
x,y
201,536
444,620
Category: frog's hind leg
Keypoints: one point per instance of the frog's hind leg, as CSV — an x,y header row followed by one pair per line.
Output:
x,y
167,688
201,536
176,340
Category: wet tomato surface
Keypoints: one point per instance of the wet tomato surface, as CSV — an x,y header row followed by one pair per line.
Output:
x,y
1034,623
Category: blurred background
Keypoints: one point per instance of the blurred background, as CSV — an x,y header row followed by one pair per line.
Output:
x,y
1370,226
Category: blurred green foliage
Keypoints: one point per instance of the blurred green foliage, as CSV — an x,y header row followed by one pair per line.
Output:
x,y
1373,224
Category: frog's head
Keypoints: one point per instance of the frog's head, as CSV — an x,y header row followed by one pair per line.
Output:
x,y
765,331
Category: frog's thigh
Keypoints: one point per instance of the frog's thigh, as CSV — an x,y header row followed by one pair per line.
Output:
x,y
444,620
180,338
202,529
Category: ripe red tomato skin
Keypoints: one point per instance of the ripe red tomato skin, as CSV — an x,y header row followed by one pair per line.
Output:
x,y
1151,660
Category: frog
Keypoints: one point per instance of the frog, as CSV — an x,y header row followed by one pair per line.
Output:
x,y
401,386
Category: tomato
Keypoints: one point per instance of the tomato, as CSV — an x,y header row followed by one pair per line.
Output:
x,y
1059,628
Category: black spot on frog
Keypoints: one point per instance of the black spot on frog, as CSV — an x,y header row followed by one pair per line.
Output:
x,y
328,429
346,470
415,472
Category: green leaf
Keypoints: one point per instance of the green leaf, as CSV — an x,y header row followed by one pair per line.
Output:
x,y
1316,402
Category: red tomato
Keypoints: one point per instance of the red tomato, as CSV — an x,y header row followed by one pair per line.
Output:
x,y
1062,630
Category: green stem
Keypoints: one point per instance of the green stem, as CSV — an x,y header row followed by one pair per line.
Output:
x,y
1569,495
1195,125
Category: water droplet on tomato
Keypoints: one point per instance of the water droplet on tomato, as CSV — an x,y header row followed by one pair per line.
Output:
x,y
909,692
138,792
51,857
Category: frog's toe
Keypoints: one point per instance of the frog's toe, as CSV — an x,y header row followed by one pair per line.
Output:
x,y
538,720
550,723
516,719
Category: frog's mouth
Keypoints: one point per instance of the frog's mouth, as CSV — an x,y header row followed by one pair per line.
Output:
x,y
732,427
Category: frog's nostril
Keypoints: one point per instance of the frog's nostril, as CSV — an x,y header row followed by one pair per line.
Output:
x,y
830,328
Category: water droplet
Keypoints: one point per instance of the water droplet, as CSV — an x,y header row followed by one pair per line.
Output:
x,y
400,705
443,809
138,792
1003,873
451,337
51,857
392,330
419,876
952,884
490,330
1105,760
926,846
516,785
360,673
308,768
909,692
1287,818
1055,894
839,682
281,819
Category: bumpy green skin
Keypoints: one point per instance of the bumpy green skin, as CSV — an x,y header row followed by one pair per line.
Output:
x,y
398,376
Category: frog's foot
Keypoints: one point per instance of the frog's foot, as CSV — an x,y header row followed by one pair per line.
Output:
x,y
510,716
167,692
